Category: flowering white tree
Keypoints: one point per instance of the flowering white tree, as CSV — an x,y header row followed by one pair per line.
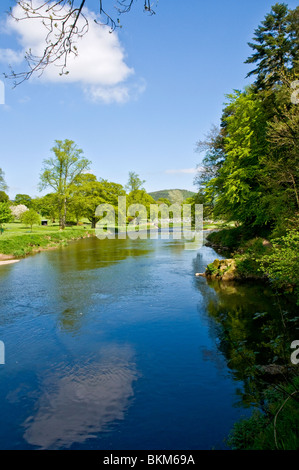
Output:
x,y
17,211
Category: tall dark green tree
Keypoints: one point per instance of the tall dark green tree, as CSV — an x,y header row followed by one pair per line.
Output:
x,y
275,46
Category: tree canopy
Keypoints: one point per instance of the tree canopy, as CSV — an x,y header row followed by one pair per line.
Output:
x,y
249,173
23,199
5,214
275,46
61,171
134,182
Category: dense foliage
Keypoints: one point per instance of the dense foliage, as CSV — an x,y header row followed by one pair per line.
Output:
x,y
249,175
250,170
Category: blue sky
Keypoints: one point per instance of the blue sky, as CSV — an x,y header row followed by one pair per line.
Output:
x,y
137,100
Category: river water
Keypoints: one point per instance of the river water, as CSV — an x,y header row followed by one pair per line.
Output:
x,y
113,344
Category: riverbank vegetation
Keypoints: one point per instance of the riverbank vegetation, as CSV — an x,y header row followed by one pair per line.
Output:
x,y
249,175
19,241
248,182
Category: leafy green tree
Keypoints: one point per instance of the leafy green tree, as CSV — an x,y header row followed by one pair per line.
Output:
x,y
164,200
200,198
3,197
47,206
30,217
88,193
134,183
236,189
275,46
140,196
5,214
60,172
283,159
23,199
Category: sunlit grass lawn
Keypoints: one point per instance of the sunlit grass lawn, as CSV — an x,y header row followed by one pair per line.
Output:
x,y
17,228
18,239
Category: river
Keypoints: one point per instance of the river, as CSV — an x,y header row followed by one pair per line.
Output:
x,y
115,344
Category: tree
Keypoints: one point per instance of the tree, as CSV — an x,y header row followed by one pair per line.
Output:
x,y
140,196
5,214
275,46
65,22
23,199
283,161
61,171
30,217
3,196
134,183
200,198
236,189
89,193
18,211
164,200
213,146
85,197
3,185
47,206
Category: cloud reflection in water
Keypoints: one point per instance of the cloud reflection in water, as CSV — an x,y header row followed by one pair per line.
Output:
x,y
79,402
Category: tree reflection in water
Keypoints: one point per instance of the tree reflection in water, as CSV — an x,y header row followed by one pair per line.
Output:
x,y
253,328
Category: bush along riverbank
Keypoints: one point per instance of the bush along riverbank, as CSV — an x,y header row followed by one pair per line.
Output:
x,y
274,259
270,377
21,245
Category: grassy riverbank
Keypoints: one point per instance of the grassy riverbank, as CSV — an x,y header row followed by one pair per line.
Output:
x,y
18,241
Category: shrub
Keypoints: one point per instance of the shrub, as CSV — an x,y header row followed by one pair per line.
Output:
x,y
282,264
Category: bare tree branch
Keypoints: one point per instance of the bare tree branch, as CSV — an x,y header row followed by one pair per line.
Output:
x,y
64,22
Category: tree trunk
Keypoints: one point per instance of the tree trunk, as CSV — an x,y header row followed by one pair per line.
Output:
x,y
295,189
63,217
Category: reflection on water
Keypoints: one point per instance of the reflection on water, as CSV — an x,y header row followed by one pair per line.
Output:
x,y
115,344
251,328
78,403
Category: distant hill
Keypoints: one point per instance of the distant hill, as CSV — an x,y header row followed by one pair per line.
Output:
x,y
174,195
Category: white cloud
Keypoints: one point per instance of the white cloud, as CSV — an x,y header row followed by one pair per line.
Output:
x,y
11,57
100,66
119,94
182,170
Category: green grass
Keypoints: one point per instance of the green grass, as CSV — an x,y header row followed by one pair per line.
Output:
x,y
18,240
